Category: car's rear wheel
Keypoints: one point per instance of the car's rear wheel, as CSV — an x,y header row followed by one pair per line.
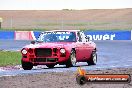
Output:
x,y
50,66
27,65
93,59
72,59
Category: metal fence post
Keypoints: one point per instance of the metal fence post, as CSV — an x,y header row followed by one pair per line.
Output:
x,y
1,20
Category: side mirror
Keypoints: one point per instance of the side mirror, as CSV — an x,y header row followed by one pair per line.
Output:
x,y
87,38
32,42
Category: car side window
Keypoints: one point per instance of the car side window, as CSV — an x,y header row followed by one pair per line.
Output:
x,y
83,37
79,37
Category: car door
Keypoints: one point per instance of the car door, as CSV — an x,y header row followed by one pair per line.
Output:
x,y
89,48
86,47
81,48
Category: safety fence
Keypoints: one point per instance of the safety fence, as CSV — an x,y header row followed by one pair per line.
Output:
x,y
93,35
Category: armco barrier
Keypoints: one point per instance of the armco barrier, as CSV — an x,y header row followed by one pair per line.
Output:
x,y
17,35
131,34
104,35
24,35
36,34
7,35
93,35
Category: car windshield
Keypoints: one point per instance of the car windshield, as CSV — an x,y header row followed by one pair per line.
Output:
x,y
57,37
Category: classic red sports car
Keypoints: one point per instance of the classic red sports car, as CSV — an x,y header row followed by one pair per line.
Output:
x,y
65,47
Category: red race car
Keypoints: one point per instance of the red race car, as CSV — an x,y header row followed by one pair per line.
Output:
x,y
64,47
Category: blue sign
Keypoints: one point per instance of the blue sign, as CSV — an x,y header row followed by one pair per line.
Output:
x,y
108,35
93,35
7,35
36,34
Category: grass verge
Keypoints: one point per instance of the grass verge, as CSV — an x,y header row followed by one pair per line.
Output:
x,y
44,26
79,28
10,58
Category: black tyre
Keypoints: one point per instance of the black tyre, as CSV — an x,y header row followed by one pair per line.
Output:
x,y
50,66
27,65
72,59
81,80
93,59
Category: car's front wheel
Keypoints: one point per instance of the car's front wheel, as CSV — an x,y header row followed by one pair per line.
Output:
x,y
93,59
72,59
27,65
50,66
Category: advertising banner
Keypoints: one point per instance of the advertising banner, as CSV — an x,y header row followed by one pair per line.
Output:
x,y
93,35
108,35
7,35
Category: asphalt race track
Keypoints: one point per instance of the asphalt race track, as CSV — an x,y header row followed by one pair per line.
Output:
x,y
111,54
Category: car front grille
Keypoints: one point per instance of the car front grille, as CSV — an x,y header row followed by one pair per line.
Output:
x,y
44,60
43,52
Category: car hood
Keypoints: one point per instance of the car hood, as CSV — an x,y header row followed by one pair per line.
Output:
x,y
50,45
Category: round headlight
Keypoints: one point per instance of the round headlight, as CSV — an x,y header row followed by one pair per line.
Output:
x,y
24,51
62,51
